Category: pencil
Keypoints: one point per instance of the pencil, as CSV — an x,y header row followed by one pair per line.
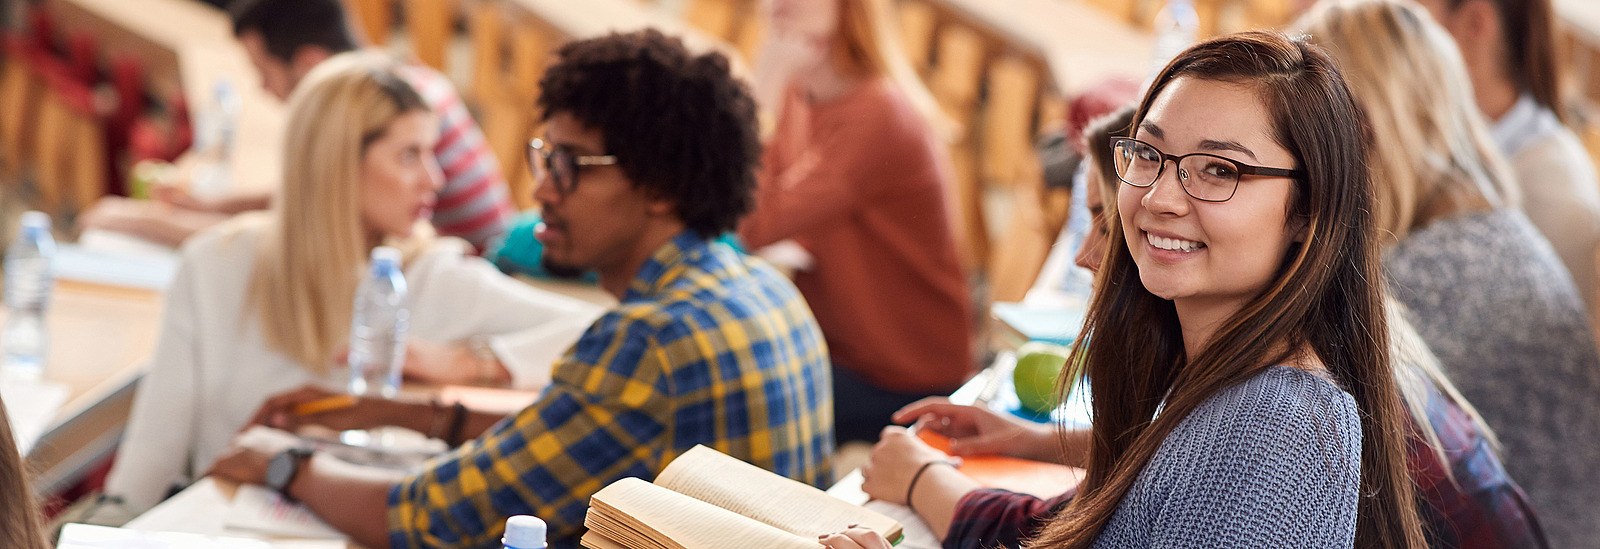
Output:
x,y
324,405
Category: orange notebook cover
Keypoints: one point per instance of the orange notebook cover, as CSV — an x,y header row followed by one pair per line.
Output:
x,y
1023,476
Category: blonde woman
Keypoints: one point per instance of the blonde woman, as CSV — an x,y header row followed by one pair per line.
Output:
x,y
262,304
1486,291
856,174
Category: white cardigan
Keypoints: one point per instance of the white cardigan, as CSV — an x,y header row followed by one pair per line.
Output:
x,y
211,369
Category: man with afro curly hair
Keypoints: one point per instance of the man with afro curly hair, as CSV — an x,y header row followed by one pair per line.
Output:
x,y
648,154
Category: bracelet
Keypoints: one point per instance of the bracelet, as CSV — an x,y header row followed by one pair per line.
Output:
x,y
458,421
918,476
439,420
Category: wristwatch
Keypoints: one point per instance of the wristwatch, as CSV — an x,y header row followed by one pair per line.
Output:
x,y
283,468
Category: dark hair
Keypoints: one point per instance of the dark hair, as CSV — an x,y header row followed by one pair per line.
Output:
x,y
19,515
680,125
288,25
1529,29
1327,298
1097,144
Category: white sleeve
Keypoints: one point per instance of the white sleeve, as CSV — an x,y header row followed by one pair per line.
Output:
x,y
527,328
157,445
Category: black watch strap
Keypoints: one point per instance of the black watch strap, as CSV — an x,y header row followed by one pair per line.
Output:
x,y
283,469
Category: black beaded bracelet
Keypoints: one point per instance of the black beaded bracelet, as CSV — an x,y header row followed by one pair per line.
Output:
x,y
458,421
918,476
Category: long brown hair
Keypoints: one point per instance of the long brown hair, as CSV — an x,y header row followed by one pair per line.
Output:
x,y
1327,298
1531,59
19,515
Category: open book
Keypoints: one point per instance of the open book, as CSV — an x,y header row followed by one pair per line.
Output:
x,y
708,500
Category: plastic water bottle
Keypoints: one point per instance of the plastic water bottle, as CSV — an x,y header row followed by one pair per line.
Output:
x,y
1177,26
213,175
524,532
29,278
378,327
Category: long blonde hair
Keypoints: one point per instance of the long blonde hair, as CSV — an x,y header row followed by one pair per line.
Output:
x,y
1432,157
312,254
865,45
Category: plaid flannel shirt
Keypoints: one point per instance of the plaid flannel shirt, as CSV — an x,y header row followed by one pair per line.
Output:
x,y
1482,509
707,347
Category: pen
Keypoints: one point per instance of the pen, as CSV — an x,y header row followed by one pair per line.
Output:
x,y
324,405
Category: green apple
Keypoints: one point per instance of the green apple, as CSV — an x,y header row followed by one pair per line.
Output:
x,y
1039,365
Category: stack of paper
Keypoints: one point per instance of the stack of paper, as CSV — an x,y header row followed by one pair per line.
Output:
x,y
83,536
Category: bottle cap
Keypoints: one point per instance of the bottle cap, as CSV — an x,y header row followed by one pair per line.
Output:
x,y
386,254
524,532
35,220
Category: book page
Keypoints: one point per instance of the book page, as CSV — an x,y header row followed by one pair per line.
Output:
x,y
792,506
635,513
259,509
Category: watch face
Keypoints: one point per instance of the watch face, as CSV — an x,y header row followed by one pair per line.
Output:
x,y
280,470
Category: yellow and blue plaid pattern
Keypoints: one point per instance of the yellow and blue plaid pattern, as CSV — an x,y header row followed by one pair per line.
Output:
x,y
707,347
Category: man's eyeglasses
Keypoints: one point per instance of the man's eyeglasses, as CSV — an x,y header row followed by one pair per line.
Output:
x,y
1206,177
561,165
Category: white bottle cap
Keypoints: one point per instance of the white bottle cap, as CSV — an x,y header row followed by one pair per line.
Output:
x,y
35,219
524,532
386,254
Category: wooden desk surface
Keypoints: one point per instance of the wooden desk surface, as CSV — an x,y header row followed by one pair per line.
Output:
x,y
100,337
187,46
1082,44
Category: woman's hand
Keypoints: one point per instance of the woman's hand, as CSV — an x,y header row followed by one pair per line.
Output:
x,y
785,56
897,457
854,537
977,430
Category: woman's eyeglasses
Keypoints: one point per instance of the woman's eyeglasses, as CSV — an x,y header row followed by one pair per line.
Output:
x,y
1206,177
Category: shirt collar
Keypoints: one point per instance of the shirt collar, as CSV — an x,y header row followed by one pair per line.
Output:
x,y
665,264
1520,125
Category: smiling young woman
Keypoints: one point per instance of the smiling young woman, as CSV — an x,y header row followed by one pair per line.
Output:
x,y
1237,345
1238,349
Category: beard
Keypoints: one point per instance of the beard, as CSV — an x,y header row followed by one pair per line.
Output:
x,y
561,270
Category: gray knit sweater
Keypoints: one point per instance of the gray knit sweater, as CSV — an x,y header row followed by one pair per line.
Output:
x,y
1272,462
1490,296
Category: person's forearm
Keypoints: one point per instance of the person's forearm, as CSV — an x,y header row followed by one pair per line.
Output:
x,y
936,493
1071,449
351,498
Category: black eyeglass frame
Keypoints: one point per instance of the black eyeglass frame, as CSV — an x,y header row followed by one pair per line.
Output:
x,y
1240,168
537,153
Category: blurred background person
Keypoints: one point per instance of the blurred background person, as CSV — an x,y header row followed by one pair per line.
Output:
x,y
285,40
1511,55
1484,288
857,175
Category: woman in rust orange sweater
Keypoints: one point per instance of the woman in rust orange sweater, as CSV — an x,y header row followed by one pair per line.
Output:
x,y
857,176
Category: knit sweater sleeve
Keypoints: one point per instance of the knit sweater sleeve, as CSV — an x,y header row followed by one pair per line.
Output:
x,y
1273,462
